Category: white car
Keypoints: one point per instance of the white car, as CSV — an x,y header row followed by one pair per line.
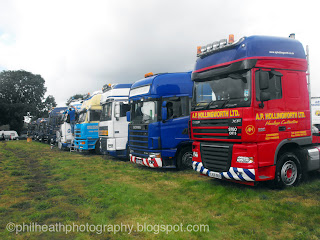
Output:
x,y
9,135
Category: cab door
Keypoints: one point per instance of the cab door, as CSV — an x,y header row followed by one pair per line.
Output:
x,y
174,129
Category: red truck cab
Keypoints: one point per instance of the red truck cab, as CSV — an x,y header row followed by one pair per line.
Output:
x,y
250,118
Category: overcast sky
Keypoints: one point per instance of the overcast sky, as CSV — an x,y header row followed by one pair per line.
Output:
x,y
78,46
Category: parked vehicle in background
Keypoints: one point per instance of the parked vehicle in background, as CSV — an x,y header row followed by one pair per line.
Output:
x,y
250,118
315,112
159,115
42,129
113,125
23,135
31,129
86,129
54,122
9,135
65,136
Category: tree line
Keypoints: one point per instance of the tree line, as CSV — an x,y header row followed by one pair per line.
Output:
x,y
22,92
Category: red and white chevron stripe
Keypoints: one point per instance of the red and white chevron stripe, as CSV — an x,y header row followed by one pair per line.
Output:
x,y
149,162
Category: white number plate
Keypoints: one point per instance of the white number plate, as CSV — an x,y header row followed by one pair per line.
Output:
x,y
139,161
215,175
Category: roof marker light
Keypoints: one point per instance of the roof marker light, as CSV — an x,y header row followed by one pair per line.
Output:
x,y
223,42
231,38
198,49
218,46
215,45
148,74
292,35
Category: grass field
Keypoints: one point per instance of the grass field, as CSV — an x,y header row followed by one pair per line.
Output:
x,y
49,187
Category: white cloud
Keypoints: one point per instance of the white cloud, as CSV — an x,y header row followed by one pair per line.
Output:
x,y
78,46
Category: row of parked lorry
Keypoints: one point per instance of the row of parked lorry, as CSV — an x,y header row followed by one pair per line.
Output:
x,y
243,114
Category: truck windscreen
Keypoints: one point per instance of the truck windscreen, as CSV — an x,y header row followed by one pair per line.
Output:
x,y
227,91
144,112
106,113
95,115
82,117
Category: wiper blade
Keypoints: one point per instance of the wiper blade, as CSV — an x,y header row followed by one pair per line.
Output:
x,y
199,105
225,103
231,105
210,103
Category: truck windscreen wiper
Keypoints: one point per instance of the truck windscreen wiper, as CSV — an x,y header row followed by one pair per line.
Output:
x,y
210,103
225,104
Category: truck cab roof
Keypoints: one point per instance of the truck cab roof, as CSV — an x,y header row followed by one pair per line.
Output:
x,y
57,111
118,91
160,85
92,102
253,47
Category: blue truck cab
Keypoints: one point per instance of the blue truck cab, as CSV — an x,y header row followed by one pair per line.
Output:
x,y
86,130
159,116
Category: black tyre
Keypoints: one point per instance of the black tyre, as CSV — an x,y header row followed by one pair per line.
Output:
x,y
97,148
128,154
288,171
184,160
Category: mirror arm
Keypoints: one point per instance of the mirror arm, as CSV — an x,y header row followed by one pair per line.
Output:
x,y
261,105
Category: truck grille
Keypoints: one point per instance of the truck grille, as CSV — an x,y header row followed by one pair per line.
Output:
x,y
217,128
210,122
216,157
77,133
138,136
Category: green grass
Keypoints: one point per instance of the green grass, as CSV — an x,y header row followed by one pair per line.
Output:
x,y
47,186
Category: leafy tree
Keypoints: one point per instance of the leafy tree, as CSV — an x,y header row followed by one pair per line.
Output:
x,y
47,105
22,92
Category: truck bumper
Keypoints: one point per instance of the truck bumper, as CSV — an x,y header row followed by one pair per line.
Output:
x,y
118,153
237,174
149,162
66,145
84,144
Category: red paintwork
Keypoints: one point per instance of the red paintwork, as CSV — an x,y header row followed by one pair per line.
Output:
x,y
261,139
289,173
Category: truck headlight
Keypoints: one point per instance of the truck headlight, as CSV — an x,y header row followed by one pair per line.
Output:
x,y
242,159
195,154
154,155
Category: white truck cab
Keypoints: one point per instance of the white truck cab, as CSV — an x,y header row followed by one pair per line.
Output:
x,y
65,137
113,125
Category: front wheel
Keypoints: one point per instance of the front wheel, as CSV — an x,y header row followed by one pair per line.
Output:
x,y
128,153
288,171
97,148
184,160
